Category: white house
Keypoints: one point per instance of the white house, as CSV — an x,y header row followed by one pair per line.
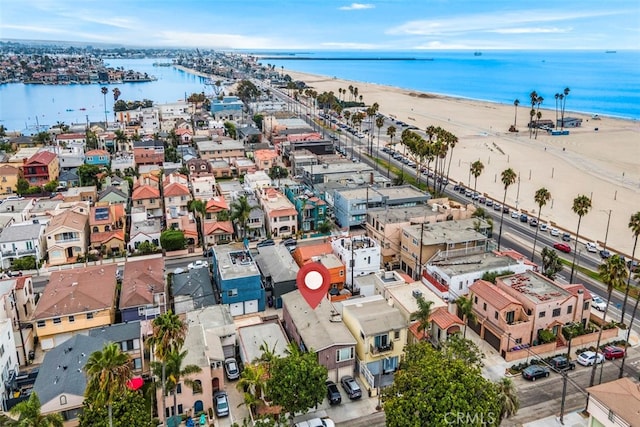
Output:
x,y
148,230
257,180
21,240
364,251
8,359
203,187
17,304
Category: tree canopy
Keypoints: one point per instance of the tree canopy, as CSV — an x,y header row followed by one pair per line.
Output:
x,y
247,91
433,389
173,240
128,410
297,381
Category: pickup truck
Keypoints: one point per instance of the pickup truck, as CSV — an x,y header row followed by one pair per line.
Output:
x,y
560,363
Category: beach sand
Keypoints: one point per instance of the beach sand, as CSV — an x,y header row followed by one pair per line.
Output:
x,y
603,164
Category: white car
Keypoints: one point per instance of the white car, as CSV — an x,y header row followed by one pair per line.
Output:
x,y
316,422
598,303
197,264
515,214
591,247
543,226
554,232
588,358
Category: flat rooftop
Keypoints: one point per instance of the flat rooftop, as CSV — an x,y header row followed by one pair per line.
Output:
x,y
396,214
404,296
456,231
234,261
251,338
337,168
535,287
474,262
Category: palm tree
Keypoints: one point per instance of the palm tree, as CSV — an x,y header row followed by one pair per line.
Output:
x,y
175,373
465,305
541,197
630,327
581,207
105,91
423,315
508,398
29,415
253,380
476,170
116,95
168,335
379,125
508,177
539,101
634,225
532,98
557,96
108,371
551,264
516,102
613,273
240,212
564,102
121,138
199,207
391,132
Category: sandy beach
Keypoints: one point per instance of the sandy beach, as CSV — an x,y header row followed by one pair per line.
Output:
x,y
603,164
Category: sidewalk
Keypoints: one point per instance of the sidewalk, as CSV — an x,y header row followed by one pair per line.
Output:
x,y
572,419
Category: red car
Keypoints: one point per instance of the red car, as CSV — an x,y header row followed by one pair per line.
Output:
x,y
610,352
563,247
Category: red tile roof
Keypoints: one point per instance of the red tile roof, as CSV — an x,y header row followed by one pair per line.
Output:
x,y
105,236
216,204
175,189
305,253
492,294
42,157
441,317
97,153
218,227
140,280
145,192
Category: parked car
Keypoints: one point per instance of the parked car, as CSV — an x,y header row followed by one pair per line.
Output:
x,y
197,264
524,218
543,227
598,303
497,207
231,368
221,401
588,358
534,372
554,232
266,242
333,394
591,247
566,237
352,388
533,222
562,247
561,363
505,209
515,214
482,200
611,352
632,265
316,422
489,203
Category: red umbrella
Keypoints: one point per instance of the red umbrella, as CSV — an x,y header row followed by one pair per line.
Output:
x,y
135,383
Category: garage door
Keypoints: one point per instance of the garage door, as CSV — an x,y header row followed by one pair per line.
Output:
x,y
236,309
60,338
229,351
345,370
492,339
47,344
251,306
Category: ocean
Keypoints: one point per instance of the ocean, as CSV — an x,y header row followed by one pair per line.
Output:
x,y
604,83
601,83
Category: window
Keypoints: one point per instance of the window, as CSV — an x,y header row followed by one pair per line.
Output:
x,y
341,273
510,317
460,286
344,354
232,292
89,316
180,411
556,312
1,350
542,314
137,363
63,400
495,315
56,320
179,391
569,309
72,319
141,311
396,335
585,306
484,306
518,340
197,387
41,323
475,300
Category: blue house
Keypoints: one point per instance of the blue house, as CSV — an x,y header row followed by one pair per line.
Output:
x,y
229,107
311,209
97,157
237,278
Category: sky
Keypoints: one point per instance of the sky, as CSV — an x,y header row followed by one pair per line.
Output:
x,y
329,24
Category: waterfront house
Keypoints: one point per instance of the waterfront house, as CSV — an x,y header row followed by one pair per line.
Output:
x,y
9,176
41,168
74,301
67,236
17,304
237,279
320,330
97,158
21,240
380,332
143,295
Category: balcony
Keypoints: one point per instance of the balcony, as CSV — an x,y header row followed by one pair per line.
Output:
x,y
19,253
67,240
380,349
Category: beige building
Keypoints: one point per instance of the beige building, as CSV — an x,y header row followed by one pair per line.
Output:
x,y
281,215
67,236
614,404
220,148
9,176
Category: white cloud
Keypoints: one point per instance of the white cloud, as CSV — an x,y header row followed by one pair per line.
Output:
x,y
531,30
350,45
227,41
357,6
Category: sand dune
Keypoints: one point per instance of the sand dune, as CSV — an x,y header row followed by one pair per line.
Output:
x,y
603,164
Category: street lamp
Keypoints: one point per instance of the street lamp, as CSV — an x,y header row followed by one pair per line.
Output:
x,y
606,234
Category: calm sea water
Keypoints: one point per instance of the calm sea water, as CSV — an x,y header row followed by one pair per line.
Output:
x,y
601,83
25,106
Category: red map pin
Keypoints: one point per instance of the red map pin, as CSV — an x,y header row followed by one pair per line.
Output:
x,y
313,282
